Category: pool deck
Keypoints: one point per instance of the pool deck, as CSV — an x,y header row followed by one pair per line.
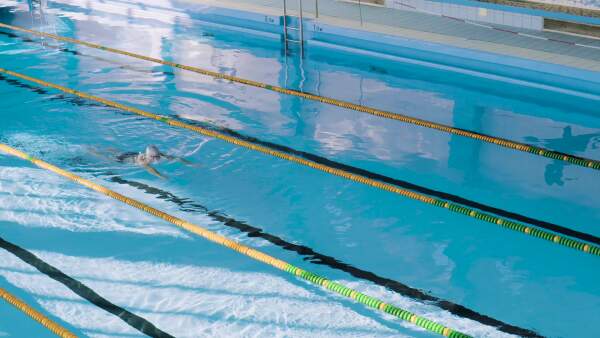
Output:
x,y
437,29
547,5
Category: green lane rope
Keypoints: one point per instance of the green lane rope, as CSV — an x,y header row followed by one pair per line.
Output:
x,y
246,250
524,147
36,315
454,207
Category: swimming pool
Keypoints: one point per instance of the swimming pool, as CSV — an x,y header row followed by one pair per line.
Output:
x,y
464,273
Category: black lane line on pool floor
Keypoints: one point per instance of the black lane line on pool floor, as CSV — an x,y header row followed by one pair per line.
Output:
x,y
403,184
354,170
188,205
131,319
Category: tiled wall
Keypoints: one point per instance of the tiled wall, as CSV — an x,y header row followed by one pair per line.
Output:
x,y
476,14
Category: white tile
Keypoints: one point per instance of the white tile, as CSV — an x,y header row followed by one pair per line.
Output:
x,y
508,19
460,12
472,14
428,6
482,12
436,7
485,15
464,11
415,4
506,16
397,4
419,4
518,20
446,8
497,17
453,11
526,22
537,23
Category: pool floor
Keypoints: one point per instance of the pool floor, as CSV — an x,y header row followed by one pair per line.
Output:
x,y
101,268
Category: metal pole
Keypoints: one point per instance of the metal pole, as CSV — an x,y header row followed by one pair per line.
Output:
x,y
285,37
316,9
360,12
301,24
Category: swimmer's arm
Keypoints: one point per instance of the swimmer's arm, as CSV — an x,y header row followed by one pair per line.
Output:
x,y
179,159
184,161
154,171
108,153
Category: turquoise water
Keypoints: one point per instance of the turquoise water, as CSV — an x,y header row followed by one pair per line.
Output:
x,y
410,254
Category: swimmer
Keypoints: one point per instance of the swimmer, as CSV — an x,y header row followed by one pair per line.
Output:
x,y
151,156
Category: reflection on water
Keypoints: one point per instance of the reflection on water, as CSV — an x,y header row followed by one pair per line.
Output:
x,y
33,199
33,190
185,301
82,290
240,107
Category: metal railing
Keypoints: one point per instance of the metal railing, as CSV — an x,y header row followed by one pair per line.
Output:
x,y
411,18
298,28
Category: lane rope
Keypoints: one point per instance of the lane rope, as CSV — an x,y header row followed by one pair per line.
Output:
x,y
309,255
554,228
48,323
451,206
506,143
246,250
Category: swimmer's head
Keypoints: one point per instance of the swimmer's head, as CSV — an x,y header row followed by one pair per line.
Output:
x,y
152,153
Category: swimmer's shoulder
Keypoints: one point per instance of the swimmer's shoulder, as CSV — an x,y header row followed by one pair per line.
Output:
x,y
127,157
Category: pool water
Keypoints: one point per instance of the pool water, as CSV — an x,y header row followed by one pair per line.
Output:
x,y
377,242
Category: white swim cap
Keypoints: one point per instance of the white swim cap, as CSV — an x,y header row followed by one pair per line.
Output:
x,y
152,152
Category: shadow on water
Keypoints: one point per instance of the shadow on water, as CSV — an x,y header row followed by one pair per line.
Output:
x,y
573,143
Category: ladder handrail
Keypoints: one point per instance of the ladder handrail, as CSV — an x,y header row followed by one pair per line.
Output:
x,y
301,24
360,12
285,37
299,28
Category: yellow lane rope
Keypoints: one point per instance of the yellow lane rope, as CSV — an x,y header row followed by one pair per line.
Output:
x,y
454,207
245,250
524,147
36,315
